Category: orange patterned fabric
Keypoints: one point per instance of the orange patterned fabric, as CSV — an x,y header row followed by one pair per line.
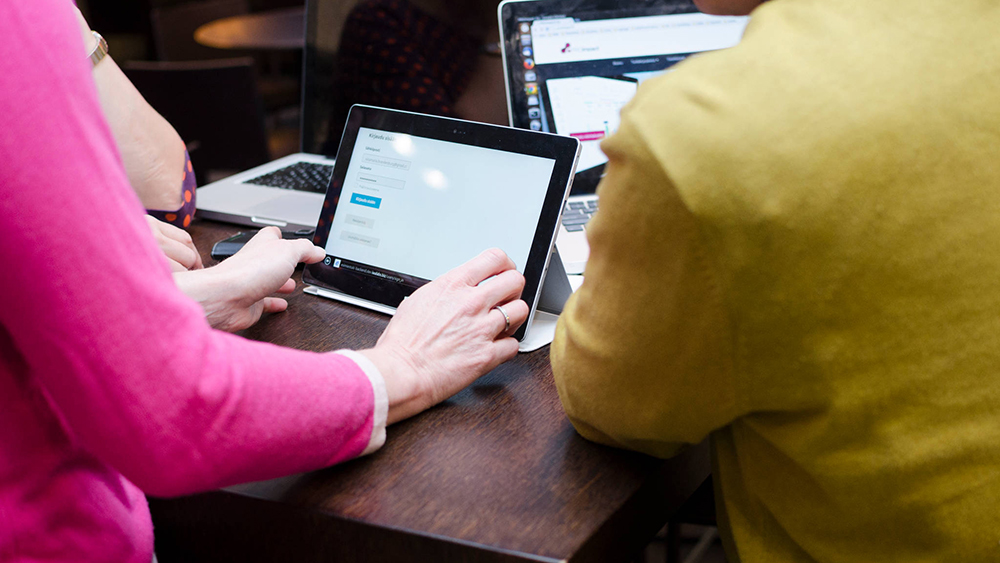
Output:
x,y
181,217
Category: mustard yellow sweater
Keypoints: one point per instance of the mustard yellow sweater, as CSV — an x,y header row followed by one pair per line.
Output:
x,y
798,253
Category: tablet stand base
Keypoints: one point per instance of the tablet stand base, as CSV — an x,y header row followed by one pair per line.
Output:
x,y
349,299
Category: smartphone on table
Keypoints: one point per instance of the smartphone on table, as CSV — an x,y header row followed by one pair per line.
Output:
x,y
229,246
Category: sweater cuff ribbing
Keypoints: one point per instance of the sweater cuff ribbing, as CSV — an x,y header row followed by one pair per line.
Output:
x,y
381,398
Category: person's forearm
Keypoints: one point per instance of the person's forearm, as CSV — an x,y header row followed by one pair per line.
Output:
x,y
151,150
125,362
406,395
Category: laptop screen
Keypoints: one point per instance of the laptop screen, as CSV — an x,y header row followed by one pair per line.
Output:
x,y
573,64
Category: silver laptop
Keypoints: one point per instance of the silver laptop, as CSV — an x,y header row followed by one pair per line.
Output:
x,y
571,65
286,193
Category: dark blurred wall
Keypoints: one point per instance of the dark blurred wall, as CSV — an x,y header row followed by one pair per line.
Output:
x,y
126,25
116,16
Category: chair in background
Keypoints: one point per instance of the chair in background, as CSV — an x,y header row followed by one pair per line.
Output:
x,y
215,107
174,25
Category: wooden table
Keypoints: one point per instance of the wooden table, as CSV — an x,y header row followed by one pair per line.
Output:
x,y
497,473
273,29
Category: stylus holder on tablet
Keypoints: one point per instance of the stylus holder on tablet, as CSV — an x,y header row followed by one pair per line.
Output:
x,y
555,291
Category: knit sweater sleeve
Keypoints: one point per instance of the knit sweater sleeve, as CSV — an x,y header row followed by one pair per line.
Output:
x,y
124,359
643,351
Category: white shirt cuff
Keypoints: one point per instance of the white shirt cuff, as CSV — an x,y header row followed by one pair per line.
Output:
x,y
381,398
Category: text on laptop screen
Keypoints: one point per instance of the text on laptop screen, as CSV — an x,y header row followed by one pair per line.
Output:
x,y
404,194
574,74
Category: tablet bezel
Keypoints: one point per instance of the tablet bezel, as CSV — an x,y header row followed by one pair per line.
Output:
x,y
388,294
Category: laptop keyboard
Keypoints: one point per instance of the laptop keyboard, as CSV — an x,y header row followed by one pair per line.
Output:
x,y
303,176
577,213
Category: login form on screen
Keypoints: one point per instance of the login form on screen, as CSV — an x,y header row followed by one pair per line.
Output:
x,y
422,206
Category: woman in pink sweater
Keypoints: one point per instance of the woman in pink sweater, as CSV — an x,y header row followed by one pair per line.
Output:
x,y
113,384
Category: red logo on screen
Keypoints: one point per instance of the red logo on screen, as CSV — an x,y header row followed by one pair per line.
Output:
x,y
589,135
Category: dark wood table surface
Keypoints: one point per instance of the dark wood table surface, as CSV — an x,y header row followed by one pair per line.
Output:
x,y
283,28
496,473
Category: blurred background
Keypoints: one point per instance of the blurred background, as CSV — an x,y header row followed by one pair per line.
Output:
x,y
230,74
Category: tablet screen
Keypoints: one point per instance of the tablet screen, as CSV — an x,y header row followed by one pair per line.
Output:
x,y
406,200
413,196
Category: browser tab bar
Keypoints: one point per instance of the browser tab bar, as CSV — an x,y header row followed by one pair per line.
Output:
x,y
566,40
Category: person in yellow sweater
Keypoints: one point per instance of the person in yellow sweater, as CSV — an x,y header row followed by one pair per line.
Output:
x,y
798,255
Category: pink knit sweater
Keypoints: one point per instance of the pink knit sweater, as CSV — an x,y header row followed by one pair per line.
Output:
x,y
111,382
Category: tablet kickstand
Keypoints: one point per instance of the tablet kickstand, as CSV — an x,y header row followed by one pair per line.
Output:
x,y
556,289
555,286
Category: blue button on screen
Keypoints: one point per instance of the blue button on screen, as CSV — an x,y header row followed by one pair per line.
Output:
x,y
366,200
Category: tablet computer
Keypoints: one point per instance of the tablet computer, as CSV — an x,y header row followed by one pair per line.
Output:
x,y
413,196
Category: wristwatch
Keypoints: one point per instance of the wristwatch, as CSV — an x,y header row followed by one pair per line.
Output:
x,y
100,50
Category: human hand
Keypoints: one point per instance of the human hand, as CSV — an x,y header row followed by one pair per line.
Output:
x,y
448,333
176,244
235,293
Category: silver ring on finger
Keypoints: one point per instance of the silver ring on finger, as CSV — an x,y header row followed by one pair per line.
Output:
x,y
506,318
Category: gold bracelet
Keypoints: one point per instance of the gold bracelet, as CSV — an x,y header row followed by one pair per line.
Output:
x,y
100,50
